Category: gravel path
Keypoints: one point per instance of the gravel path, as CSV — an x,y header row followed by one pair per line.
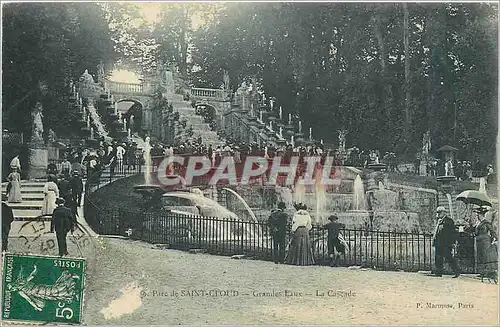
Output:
x,y
131,283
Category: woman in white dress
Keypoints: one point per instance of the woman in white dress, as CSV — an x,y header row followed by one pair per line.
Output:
x,y
300,251
51,192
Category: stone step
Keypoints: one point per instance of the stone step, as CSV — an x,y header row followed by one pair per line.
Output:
x,y
27,184
22,214
27,205
30,189
32,196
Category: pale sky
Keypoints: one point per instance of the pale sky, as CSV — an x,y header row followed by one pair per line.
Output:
x,y
150,14
149,11
124,76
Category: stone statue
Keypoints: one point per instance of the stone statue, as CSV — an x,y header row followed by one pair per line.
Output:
x,y
426,144
86,78
52,135
342,139
37,127
100,73
132,122
226,80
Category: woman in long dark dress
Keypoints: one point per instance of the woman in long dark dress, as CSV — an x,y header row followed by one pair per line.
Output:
x,y
487,252
14,193
300,251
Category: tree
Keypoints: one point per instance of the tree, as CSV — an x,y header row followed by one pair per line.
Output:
x,y
385,72
49,44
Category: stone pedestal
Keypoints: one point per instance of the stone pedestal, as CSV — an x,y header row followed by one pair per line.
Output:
x,y
53,152
423,168
38,158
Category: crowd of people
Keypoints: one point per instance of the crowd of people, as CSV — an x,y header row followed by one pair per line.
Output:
x,y
463,170
64,188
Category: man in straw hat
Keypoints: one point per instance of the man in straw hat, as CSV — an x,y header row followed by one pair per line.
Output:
x,y
445,236
62,222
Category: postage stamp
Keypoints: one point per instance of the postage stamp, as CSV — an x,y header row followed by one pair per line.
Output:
x,y
300,163
42,289
36,237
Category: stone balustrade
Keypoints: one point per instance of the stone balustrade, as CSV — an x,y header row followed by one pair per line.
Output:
x,y
129,88
217,94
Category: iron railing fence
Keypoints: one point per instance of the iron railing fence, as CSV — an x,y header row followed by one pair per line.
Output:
x,y
384,250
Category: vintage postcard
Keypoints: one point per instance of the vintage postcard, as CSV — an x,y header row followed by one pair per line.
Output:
x,y
250,163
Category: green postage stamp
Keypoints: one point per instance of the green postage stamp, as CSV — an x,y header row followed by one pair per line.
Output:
x,y
42,289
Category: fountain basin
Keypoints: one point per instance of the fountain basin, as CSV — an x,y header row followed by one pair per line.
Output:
x,y
377,166
446,179
147,188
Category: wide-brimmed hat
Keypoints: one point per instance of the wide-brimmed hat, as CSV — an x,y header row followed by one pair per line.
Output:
x,y
60,201
440,209
333,218
300,206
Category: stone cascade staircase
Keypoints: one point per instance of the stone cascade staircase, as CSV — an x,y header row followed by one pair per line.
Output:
x,y
31,206
200,129
32,196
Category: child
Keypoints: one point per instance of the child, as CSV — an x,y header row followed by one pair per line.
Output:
x,y
334,241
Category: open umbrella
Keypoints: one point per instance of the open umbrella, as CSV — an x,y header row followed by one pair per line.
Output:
x,y
474,197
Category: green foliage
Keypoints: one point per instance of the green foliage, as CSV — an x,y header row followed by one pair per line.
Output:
x,y
174,31
342,65
49,43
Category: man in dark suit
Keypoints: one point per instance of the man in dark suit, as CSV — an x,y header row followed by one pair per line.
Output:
x,y
7,219
62,222
278,221
334,228
65,188
66,192
76,188
445,236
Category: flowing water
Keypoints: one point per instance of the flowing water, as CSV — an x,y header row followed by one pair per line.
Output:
x,y
248,231
285,195
321,199
450,204
96,119
299,193
359,194
147,161
482,185
245,204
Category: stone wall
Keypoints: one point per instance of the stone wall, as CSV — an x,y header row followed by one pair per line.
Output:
x,y
421,201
